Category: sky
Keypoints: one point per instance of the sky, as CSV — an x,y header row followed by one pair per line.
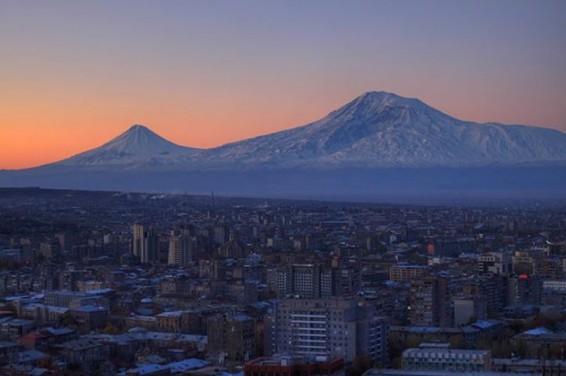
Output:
x,y
74,74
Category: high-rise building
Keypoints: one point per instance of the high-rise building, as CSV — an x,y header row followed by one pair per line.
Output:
x,y
491,288
145,243
181,248
221,234
524,289
327,327
429,302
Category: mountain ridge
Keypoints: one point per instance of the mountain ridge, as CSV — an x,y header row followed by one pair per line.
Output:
x,y
380,129
375,130
378,143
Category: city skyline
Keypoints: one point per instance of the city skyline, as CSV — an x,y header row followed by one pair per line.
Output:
x,y
203,75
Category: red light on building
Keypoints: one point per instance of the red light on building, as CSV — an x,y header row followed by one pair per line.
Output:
x,y
430,248
523,276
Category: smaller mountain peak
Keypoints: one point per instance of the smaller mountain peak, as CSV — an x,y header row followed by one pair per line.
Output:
x,y
138,134
138,128
138,144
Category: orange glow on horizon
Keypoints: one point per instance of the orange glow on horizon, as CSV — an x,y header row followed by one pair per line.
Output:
x,y
32,140
52,132
38,126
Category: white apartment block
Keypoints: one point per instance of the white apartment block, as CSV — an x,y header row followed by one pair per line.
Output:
x,y
441,358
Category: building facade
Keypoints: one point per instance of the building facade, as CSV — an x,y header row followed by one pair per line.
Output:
x,y
440,357
327,327
306,280
145,243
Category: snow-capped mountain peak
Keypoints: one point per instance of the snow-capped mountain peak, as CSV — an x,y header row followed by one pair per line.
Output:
x,y
380,129
375,101
139,139
377,143
138,145
375,106
375,130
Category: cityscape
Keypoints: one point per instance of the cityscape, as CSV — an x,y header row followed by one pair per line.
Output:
x,y
142,284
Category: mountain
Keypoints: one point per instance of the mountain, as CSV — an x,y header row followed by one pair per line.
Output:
x,y
378,146
375,130
137,147
380,129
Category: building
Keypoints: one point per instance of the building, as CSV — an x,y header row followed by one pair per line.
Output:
x,y
406,372
46,338
469,309
231,337
14,328
51,249
429,303
541,343
327,327
527,262
558,286
440,357
233,248
169,321
406,272
84,353
544,366
62,298
8,352
279,365
75,298
90,317
492,289
524,290
306,280
181,248
494,263
145,243
402,337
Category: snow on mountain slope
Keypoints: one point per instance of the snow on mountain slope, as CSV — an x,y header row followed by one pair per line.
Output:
x,y
377,144
380,129
375,130
138,146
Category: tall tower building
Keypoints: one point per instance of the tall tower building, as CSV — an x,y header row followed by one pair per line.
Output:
x,y
137,239
428,302
144,243
181,248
